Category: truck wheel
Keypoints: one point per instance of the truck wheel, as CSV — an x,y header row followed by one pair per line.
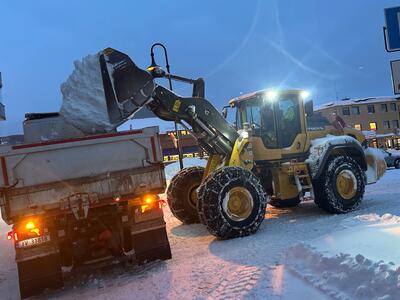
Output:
x,y
341,186
35,275
231,203
292,202
182,194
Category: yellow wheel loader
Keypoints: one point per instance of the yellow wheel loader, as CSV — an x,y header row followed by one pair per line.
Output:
x,y
276,151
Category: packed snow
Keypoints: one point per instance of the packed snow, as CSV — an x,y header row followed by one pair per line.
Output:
x,y
298,253
83,99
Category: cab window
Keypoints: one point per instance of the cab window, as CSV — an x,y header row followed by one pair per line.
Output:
x,y
288,117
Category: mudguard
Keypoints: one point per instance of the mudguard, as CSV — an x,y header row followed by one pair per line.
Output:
x,y
323,148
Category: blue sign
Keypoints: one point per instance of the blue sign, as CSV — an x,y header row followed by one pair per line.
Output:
x,y
392,16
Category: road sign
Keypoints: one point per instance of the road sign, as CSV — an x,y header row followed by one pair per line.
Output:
x,y
395,66
2,111
392,30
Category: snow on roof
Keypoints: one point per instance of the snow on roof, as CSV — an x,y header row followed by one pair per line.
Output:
x,y
348,101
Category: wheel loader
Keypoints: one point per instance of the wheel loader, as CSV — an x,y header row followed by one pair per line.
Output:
x,y
275,152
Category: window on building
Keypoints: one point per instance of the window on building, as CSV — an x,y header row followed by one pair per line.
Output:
x,y
393,107
346,111
358,126
395,123
372,126
386,124
384,107
371,109
355,110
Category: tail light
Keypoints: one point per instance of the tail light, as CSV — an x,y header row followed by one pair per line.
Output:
x,y
162,203
150,202
12,235
25,230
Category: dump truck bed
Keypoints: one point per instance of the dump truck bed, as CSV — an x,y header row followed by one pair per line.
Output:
x,y
48,177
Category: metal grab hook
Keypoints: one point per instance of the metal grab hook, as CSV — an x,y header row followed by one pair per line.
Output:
x,y
155,67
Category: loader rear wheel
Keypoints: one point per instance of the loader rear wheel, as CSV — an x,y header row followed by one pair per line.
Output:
x,y
231,203
279,203
182,194
340,188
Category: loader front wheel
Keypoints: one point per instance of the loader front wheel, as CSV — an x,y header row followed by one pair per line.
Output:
x,y
182,194
231,203
340,188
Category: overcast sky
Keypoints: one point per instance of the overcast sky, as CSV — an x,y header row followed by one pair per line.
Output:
x,y
329,47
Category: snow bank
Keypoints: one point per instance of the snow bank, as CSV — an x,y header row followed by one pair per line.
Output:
x,y
344,276
360,262
83,99
172,169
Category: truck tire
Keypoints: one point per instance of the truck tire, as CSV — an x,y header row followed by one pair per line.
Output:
x,y
231,203
292,202
182,194
36,275
341,186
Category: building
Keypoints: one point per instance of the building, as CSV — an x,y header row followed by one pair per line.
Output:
x,y
377,117
188,143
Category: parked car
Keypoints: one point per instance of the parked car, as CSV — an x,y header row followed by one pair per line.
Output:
x,y
392,159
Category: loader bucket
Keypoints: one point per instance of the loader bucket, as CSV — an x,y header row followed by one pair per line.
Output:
x,y
127,88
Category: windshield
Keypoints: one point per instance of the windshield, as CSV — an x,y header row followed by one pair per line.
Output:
x,y
264,117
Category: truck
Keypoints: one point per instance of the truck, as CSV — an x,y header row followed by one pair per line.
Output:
x,y
81,200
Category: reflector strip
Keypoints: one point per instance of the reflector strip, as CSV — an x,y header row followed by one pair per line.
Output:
x,y
4,170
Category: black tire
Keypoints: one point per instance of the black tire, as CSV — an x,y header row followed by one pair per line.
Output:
x,y
180,194
326,193
211,197
397,164
292,202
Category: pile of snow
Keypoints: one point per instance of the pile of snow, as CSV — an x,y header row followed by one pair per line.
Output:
x,y
174,168
344,276
360,262
386,219
83,102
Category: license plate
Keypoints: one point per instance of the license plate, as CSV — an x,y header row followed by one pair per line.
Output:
x,y
33,241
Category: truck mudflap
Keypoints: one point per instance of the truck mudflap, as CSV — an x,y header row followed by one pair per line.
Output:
x,y
150,241
38,269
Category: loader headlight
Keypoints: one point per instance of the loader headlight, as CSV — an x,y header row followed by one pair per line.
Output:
x,y
305,94
271,95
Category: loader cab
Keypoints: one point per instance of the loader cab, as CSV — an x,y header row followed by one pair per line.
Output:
x,y
275,121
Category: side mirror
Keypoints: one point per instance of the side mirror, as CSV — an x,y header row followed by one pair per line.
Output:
x,y
309,108
224,112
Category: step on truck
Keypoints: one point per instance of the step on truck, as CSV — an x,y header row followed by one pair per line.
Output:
x,y
76,201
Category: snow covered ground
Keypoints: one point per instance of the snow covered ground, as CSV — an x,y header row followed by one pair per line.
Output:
x,y
300,253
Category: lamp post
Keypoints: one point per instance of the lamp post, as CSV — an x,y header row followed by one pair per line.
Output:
x,y
153,64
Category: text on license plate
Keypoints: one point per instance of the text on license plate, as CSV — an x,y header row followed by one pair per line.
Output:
x,y
33,241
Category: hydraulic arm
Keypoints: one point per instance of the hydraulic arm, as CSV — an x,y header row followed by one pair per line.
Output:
x,y
128,88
